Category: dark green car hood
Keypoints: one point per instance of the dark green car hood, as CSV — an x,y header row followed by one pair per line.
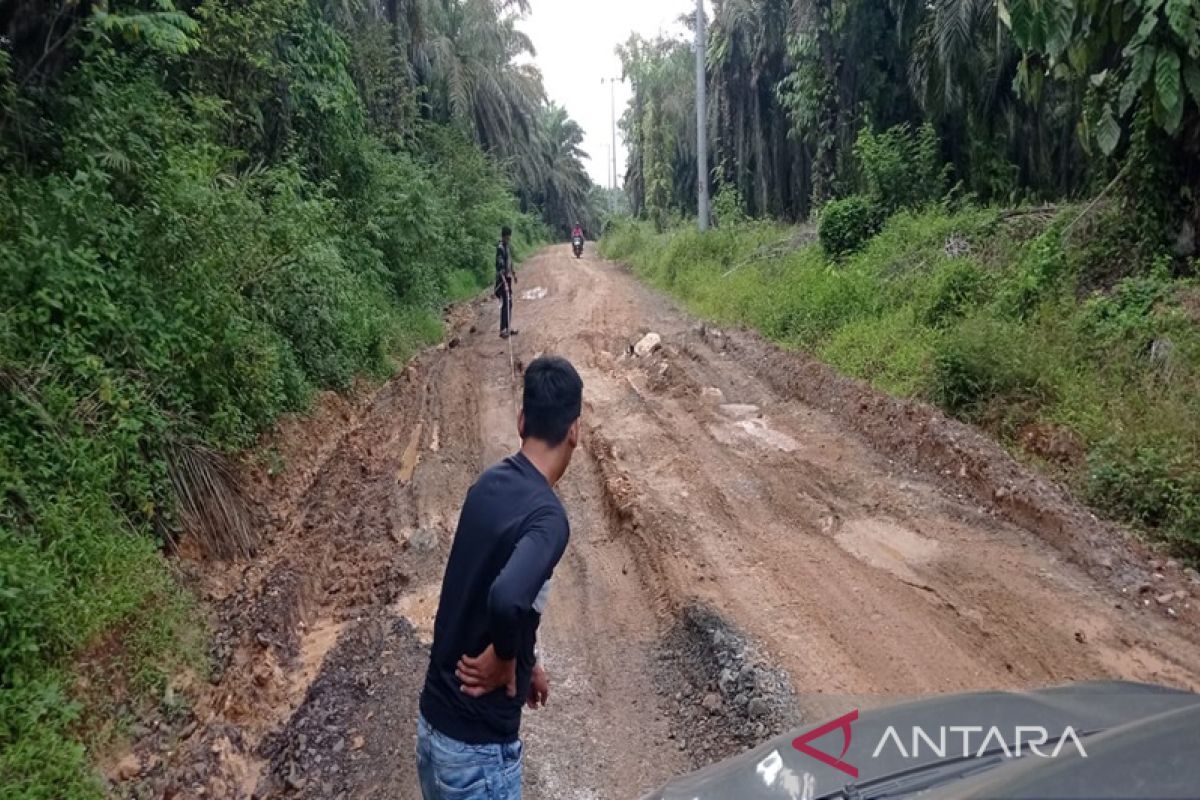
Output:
x,y
1104,740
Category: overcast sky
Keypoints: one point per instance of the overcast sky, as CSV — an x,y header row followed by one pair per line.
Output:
x,y
576,43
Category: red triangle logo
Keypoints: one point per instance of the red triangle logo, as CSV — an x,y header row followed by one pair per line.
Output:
x,y
842,723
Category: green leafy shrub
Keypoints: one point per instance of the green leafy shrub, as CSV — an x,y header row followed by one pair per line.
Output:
x,y
847,224
893,352
623,238
1156,484
1124,317
729,207
38,761
902,168
1040,271
956,289
984,359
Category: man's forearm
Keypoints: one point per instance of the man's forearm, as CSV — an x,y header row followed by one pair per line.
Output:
x,y
504,615
514,591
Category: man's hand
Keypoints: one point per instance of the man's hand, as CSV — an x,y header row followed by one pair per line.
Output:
x,y
539,688
486,673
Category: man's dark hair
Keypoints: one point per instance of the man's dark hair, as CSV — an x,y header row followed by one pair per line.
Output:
x,y
553,399
505,231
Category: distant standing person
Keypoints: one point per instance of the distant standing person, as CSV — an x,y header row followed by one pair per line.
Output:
x,y
483,664
506,278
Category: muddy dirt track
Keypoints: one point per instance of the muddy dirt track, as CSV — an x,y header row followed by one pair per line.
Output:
x,y
740,560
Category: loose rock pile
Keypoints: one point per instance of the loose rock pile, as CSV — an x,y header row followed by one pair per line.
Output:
x,y
727,697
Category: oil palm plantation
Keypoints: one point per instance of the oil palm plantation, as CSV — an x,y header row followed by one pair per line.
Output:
x,y
467,63
1024,96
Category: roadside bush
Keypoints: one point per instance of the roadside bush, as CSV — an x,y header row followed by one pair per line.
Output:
x,y
955,290
1040,271
820,302
983,359
847,224
902,168
1155,484
38,761
1125,317
623,238
894,352
729,207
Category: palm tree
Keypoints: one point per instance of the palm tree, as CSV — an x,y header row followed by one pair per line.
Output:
x,y
962,67
468,63
660,126
566,195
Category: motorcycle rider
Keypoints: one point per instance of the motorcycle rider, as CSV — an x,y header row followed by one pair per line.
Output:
x,y
577,239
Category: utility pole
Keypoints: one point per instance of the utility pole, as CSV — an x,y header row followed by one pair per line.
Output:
x,y
701,119
612,99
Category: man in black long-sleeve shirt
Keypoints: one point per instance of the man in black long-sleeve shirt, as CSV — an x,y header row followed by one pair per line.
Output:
x,y
506,279
483,667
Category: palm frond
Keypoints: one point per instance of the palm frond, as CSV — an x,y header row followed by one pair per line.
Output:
x,y
212,506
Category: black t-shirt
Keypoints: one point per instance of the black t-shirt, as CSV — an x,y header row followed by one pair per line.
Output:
x,y
503,267
511,534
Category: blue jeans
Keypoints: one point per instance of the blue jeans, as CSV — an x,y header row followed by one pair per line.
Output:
x,y
453,770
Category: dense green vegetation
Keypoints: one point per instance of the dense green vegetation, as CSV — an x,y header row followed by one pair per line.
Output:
x,y
899,131
996,317
1027,100
208,213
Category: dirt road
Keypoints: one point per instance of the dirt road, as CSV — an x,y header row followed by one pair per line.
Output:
x,y
740,561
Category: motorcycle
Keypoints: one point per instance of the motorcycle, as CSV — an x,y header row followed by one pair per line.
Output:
x,y
577,244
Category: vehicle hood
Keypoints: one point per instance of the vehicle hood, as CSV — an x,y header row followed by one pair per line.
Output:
x,y
1140,741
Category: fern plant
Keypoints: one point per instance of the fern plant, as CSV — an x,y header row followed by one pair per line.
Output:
x,y
164,28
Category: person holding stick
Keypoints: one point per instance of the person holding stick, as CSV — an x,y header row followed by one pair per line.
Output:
x,y
506,279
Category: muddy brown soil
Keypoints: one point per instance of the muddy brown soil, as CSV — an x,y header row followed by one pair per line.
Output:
x,y
755,541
